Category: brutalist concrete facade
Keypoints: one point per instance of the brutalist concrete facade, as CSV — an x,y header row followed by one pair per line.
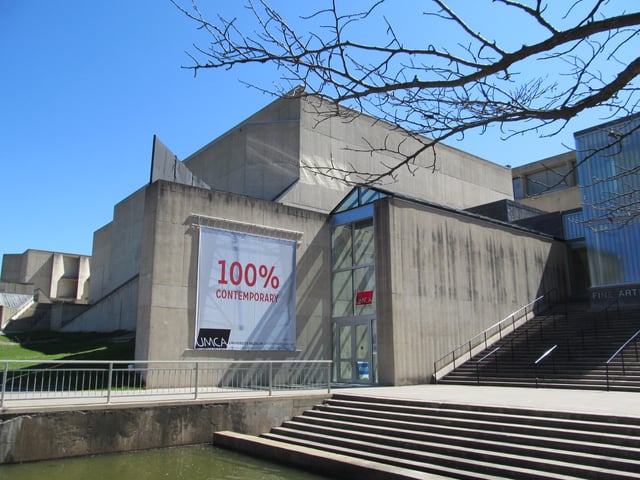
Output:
x,y
441,276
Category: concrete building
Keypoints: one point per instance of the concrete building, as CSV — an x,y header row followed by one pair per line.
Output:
x,y
383,281
42,277
591,196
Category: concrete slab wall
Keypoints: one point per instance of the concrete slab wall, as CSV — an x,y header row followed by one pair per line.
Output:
x,y
444,277
339,141
555,201
168,271
116,247
298,151
115,311
11,266
47,435
258,158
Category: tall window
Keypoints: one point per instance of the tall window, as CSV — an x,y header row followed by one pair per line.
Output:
x,y
353,285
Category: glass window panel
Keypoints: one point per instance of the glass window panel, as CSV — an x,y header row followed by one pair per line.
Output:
x,y
517,188
362,342
342,294
341,247
363,251
345,342
551,179
364,281
368,195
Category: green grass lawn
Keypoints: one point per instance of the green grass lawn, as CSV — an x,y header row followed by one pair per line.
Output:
x,y
40,346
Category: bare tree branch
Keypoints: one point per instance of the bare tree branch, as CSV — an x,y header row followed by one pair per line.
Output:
x,y
575,56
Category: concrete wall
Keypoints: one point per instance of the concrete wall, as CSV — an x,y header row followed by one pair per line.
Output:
x,y
258,158
344,142
313,140
168,271
116,247
46,435
118,310
555,201
444,277
11,268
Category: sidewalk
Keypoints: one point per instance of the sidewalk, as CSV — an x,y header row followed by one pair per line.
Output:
x,y
584,401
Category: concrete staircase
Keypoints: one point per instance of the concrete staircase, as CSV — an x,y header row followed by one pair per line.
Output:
x,y
352,436
579,345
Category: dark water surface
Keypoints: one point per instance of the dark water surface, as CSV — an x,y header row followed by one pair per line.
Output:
x,y
200,462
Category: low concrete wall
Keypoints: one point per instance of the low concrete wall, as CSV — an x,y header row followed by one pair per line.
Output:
x,y
44,435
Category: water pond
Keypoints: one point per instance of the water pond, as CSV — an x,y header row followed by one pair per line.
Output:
x,y
200,462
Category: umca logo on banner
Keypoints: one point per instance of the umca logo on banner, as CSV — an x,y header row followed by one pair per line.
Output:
x,y
245,292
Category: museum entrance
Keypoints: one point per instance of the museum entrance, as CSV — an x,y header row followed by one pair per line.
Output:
x,y
353,291
354,351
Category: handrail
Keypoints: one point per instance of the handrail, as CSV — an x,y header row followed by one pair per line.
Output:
x,y
482,360
624,345
95,380
618,352
545,354
542,357
488,354
467,347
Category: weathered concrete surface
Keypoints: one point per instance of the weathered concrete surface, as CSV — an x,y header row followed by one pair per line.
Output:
x,y
168,271
445,276
59,433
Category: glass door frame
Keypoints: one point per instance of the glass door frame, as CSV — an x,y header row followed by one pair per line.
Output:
x,y
363,368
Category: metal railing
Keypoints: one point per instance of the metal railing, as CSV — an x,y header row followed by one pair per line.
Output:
x,y
548,353
493,352
620,351
102,381
485,339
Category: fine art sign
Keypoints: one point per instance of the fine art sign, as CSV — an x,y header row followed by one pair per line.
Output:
x,y
628,294
245,292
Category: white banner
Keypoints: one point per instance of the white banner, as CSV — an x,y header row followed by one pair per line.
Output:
x,y
245,292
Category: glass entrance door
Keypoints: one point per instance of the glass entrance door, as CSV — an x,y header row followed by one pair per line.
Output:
x,y
353,351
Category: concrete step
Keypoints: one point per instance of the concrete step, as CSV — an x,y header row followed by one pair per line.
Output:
x,y
615,430
584,343
456,441
508,450
326,463
620,446
468,455
445,465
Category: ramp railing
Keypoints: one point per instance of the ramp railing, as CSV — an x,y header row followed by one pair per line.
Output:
x,y
103,381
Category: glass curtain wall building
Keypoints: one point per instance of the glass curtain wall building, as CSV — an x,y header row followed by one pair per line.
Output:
x,y
608,159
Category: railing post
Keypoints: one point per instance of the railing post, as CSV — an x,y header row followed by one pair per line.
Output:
x,y
607,374
4,383
270,378
196,379
328,377
110,378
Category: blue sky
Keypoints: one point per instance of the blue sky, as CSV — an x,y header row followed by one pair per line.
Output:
x,y
86,85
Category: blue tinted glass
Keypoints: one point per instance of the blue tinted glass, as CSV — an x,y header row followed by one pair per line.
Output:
x,y
608,161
